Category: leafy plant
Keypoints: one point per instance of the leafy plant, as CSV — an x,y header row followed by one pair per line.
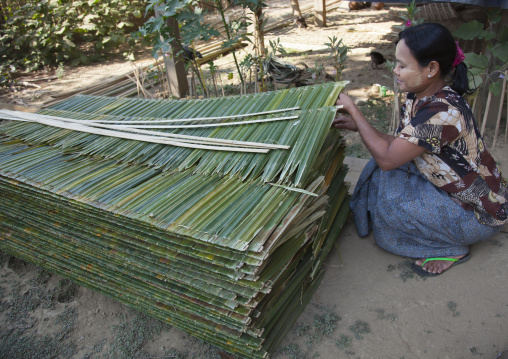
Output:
x,y
246,65
60,71
316,71
160,34
44,33
338,54
275,46
213,72
5,74
496,58
410,18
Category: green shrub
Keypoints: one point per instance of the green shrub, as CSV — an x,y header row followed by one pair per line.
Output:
x,y
48,32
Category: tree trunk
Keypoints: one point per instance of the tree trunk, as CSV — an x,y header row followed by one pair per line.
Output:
x,y
256,28
175,65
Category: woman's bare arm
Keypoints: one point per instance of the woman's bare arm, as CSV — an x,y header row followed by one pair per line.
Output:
x,y
388,152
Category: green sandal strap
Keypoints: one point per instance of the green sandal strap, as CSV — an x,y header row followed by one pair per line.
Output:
x,y
439,259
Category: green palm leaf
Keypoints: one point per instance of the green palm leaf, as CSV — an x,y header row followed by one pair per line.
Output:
x,y
225,245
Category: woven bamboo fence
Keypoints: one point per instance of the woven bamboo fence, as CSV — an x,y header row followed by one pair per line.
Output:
x,y
212,215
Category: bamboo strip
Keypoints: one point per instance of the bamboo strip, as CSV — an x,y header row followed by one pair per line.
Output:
x,y
37,118
203,140
237,123
182,137
202,118
294,189
152,139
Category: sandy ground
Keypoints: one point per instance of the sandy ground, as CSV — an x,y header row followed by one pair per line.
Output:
x,y
369,305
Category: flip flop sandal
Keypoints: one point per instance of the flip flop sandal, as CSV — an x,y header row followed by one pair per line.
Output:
x,y
419,269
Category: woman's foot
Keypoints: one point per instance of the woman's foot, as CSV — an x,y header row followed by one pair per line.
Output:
x,y
431,266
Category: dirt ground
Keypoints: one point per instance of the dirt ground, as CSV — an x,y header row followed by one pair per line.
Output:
x,y
369,305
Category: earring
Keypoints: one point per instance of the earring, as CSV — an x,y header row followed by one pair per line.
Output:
x,y
429,76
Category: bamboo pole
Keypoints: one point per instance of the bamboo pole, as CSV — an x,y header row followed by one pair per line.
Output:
x,y
89,89
506,128
499,113
484,122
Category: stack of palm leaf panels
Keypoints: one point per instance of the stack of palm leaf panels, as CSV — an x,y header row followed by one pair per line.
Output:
x,y
219,226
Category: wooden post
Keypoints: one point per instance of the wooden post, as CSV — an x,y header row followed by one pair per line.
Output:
x,y
484,122
320,10
500,111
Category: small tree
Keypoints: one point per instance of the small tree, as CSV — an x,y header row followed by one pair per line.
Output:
x,y
192,25
338,55
410,17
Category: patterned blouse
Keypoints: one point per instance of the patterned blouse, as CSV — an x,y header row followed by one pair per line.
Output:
x,y
456,159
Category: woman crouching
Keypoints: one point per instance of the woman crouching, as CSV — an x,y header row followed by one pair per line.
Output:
x,y
432,189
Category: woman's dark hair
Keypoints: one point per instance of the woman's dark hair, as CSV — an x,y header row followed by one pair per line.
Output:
x,y
434,42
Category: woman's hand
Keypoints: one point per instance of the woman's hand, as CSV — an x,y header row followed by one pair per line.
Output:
x,y
346,102
344,123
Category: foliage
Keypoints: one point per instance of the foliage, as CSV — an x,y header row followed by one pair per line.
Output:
x,y
409,19
275,46
479,65
237,30
247,63
191,25
60,71
190,21
338,54
48,32
316,71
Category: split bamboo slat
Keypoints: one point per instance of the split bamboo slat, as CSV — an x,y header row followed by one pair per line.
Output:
x,y
225,245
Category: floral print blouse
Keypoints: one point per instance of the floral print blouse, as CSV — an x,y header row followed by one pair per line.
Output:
x,y
456,158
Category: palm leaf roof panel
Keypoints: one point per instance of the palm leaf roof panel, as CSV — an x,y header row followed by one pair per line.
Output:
x,y
214,241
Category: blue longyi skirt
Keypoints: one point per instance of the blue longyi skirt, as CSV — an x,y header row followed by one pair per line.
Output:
x,y
411,217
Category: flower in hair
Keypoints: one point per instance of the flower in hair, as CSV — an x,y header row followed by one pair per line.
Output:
x,y
408,23
459,57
